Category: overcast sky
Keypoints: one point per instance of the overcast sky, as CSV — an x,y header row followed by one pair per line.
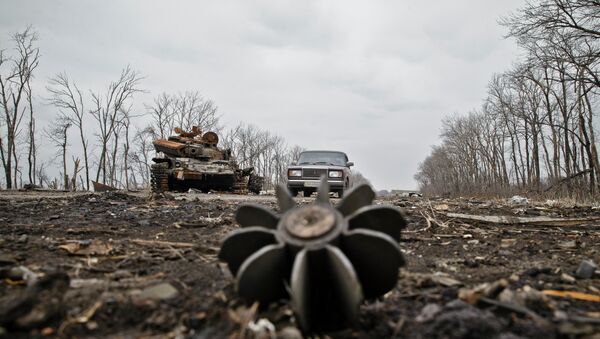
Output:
x,y
371,78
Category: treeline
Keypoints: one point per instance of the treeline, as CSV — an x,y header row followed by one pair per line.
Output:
x,y
268,153
99,136
535,131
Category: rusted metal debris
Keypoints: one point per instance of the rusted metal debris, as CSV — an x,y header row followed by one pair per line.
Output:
x,y
325,259
100,187
193,160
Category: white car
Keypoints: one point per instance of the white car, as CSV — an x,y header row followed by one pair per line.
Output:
x,y
305,174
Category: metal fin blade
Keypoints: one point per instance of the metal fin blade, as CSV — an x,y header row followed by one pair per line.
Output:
x,y
376,258
346,283
356,198
385,219
300,289
240,245
256,215
323,191
325,290
284,198
261,277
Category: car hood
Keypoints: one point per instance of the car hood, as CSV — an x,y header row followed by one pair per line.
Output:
x,y
334,167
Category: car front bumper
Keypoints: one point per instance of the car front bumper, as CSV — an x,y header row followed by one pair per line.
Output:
x,y
300,184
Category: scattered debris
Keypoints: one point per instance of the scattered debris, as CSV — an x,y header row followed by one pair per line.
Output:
x,y
506,243
586,269
541,221
519,200
200,222
445,280
462,322
289,333
263,328
519,278
568,244
160,243
429,312
567,278
6,260
86,247
100,187
488,290
527,297
161,291
18,274
37,304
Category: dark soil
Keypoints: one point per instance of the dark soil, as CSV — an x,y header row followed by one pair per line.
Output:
x,y
81,265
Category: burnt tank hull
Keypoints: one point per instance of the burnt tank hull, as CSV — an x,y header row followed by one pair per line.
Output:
x,y
193,162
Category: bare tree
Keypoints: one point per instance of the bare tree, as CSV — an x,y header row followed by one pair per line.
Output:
x,y
76,170
161,113
14,90
191,109
141,155
266,152
57,134
106,110
183,110
125,123
32,147
67,96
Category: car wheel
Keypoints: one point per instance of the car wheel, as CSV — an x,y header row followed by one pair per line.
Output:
x,y
307,193
293,191
340,194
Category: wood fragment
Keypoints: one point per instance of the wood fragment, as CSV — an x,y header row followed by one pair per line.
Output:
x,y
514,308
398,327
507,219
162,243
95,283
573,295
448,235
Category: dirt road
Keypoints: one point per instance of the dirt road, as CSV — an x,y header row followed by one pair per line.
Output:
x,y
123,265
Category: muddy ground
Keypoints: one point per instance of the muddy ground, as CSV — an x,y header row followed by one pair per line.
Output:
x,y
123,265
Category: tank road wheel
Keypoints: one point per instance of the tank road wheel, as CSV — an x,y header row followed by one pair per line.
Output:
x,y
255,183
159,177
240,185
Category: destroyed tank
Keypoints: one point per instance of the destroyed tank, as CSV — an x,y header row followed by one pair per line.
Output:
x,y
192,160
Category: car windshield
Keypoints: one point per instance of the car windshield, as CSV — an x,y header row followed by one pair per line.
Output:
x,y
322,158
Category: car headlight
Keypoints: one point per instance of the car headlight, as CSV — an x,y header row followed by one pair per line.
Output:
x,y
335,174
294,173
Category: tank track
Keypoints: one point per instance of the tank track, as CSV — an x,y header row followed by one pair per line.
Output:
x,y
159,177
255,183
240,186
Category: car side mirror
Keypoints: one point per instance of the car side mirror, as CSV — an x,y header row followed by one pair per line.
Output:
x,y
349,164
294,163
